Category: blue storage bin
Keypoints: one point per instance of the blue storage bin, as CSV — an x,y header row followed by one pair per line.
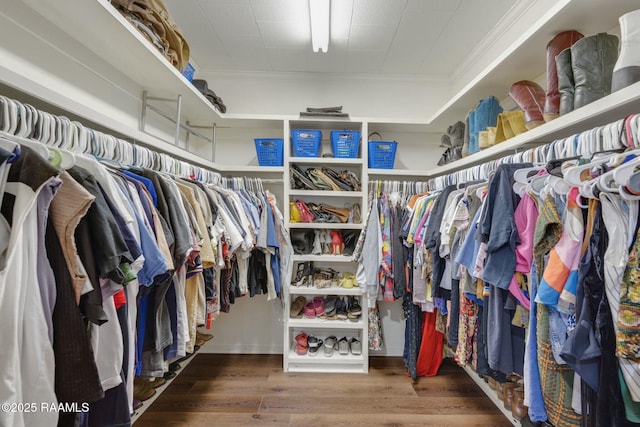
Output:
x,y
306,143
345,143
382,154
189,72
270,151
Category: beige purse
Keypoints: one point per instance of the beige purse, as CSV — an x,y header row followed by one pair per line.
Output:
x,y
510,124
483,139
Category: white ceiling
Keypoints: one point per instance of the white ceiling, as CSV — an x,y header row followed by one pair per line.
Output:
x,y
423,38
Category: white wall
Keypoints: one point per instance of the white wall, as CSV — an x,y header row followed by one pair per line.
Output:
x,y
410,99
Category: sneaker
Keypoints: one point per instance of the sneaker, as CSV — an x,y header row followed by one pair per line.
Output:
x,y
356,346
313,351
341,309
330,344
343,346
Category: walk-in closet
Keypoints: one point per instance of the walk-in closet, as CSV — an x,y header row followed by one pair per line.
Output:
x,y
320,213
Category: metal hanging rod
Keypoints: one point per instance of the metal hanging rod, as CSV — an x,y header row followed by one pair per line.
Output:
x,y
176,120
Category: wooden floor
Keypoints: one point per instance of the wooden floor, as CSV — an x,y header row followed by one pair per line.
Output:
x,y
251,390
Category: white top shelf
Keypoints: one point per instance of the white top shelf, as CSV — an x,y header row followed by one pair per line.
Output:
x,y
324,323
525,58
323,258
332,290
326,161
321,193
325,225
102,29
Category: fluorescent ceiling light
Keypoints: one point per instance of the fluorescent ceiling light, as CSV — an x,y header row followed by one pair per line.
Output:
x,y
319,13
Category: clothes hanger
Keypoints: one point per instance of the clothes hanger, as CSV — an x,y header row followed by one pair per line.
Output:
x,y
575,175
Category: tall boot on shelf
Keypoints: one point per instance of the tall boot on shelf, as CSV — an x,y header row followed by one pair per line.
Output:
x,y
627,68
565,81
560,42
592,60
530,98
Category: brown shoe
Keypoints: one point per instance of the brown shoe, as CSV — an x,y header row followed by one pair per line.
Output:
x,y
500,390
142,390
205,337
202,338
508,394
155,382
518,409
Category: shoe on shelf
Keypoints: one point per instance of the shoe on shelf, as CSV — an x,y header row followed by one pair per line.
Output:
x,y
174,367
302,339
355,311
330,307
302,344
142,390
169,375
301,349
304,274
309,310
356,346
341,309
325,240
330,344
343,346
518,408
313,351
297,307
348,280
204,337
337,245
300,278
317,243
318,305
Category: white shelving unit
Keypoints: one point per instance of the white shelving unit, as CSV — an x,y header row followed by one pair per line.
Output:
x,y
322,328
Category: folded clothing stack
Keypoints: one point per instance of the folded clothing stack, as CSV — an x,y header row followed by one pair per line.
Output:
x,y
152,19
323,112
203,87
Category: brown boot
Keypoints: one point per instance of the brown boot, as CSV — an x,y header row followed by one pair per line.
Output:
x,y
530,97
518,409
508,394
555,46
500,390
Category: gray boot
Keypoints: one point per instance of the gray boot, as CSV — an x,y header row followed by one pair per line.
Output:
x,y
565,80
456,134
592,60
627,69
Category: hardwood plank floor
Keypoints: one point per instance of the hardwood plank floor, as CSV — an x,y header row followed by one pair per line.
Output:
x,y
251,390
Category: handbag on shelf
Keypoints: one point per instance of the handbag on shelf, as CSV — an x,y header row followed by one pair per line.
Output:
x,y
321,180
300,180
337,179
321,215
305,213
302,241
341,213
294,213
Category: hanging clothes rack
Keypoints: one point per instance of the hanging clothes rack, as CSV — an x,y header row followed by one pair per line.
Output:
x,y
25,121
620,134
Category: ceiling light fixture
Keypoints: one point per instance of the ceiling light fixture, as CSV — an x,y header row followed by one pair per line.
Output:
x,y
319,13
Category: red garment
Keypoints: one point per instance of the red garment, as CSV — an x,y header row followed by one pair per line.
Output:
x,y
430,355
119,298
